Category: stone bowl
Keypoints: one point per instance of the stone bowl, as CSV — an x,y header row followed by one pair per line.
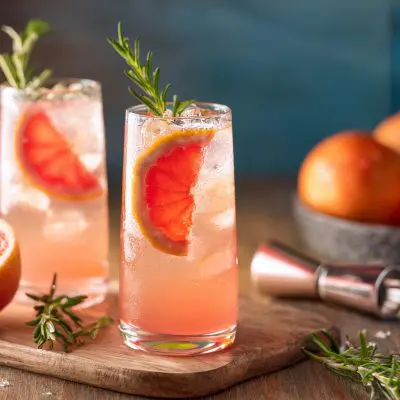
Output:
x,y
337,239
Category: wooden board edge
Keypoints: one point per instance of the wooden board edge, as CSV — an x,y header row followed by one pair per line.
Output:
x,y
150,384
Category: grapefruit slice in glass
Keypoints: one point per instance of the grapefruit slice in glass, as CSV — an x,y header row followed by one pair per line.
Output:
x,y
48,161
10,265
165,174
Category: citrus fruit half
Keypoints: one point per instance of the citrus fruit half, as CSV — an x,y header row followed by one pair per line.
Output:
x,y
49,162
10,265
165,174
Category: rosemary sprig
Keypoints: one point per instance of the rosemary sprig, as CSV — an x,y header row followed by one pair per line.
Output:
x,y
145,78
377,372
54,317
15,66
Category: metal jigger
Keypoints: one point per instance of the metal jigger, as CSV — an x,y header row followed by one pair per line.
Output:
x,y
280,271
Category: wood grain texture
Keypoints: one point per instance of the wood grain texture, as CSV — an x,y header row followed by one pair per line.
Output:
x,y
269,338
263,211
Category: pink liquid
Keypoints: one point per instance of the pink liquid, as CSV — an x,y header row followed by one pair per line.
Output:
x,y
67,236
183,295
181,299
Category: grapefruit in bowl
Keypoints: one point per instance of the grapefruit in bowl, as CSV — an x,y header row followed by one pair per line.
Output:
x,y
352,176
388,132
10,264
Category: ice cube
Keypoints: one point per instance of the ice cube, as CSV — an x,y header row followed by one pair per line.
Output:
x,y
192,111
225,219
215,263
60,86
215,196
92,161
152,129
156,126
167,114
76,87
28,196
207,236
62,224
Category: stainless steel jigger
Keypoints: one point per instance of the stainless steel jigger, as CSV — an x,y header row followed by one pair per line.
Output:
x,y
280,271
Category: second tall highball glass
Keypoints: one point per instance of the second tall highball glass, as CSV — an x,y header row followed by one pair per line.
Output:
x,y
54,187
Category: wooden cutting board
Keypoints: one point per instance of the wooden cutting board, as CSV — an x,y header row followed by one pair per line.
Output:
x,y
270,337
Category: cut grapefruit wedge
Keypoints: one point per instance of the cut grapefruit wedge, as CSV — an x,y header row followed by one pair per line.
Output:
x,y
10,265
49,162
162,189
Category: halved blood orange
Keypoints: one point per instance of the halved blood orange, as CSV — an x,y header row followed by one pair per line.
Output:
x,y
49,162
164,177
10,265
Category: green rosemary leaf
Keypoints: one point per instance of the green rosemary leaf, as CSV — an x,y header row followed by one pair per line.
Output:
x,y
332,342
394,371
312,355
149,65
39,80
93,329
73,317
15,66
362,364
33,297
37,27
33,322
8,69
72,301
363,346
121,37
182,105
323,346
175,104
156,77
18,62
145,100
63,340
143,76
17,42
117,47
52,322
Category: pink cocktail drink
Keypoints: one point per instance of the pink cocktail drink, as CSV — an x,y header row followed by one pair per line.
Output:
x,y
178,279
54,186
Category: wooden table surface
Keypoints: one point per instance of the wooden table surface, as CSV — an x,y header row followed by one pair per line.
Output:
x,y
263,211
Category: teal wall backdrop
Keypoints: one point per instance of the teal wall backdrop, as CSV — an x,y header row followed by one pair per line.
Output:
x,y
293,71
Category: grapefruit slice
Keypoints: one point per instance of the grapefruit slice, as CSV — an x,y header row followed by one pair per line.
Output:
x,y
164,177
10,265
48,161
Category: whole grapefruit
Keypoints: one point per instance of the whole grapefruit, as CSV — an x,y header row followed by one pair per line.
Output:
x,y
388,132
10,264
350,175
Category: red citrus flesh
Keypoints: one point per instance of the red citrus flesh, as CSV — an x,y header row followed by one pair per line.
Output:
x,y
164,177
49,162
10,265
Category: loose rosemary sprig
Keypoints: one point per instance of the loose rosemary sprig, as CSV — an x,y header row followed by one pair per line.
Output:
x,y
377,372
145,78
53,320
15,66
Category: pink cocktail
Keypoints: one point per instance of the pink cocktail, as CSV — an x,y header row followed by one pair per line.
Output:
x,y
54,186
178,279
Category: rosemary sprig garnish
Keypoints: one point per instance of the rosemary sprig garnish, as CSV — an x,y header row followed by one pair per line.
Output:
x,y
54,317
15,66
145,78
377,372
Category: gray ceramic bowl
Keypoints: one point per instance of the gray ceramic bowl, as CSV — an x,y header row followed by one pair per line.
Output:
x,y
337,239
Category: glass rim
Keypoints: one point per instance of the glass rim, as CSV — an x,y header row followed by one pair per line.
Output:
x,y
220,110
88,84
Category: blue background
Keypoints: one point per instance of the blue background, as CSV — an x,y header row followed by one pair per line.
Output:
x,y
293,71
